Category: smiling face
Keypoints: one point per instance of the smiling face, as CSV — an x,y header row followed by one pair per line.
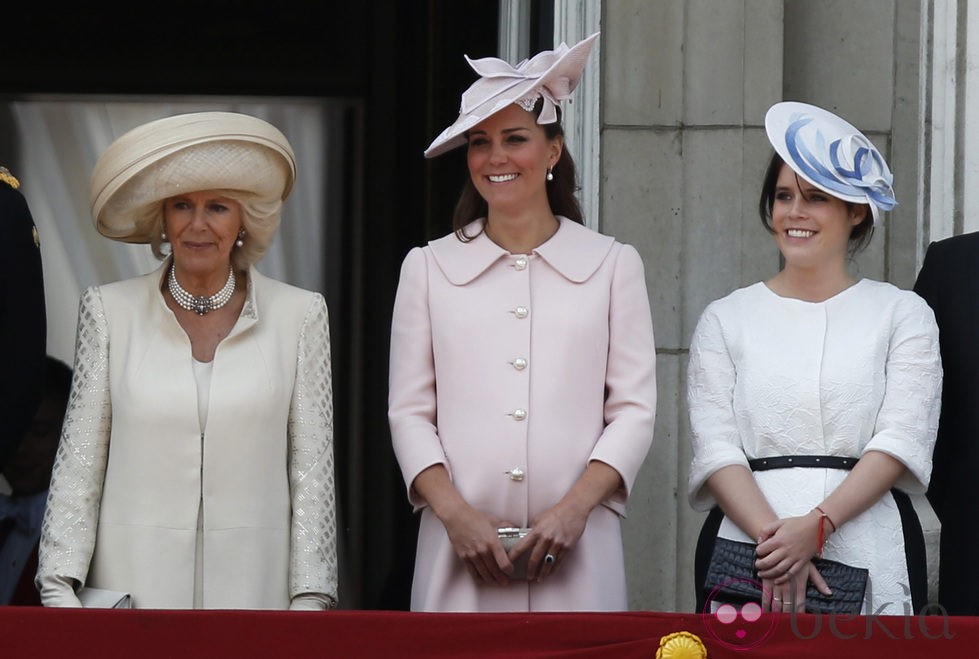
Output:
x,y
202,227
812,228
509,154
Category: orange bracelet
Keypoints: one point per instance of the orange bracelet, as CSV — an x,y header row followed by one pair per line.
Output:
x,y
821,538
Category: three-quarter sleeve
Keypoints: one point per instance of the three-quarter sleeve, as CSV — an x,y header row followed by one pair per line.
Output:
x,y
907,423
72,514
630,380
711,377
313,560
411,397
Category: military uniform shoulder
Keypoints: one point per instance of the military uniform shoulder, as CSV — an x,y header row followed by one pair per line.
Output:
x,y
14,213
8,178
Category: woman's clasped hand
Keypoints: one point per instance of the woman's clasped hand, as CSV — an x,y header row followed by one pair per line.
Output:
x,y
785,550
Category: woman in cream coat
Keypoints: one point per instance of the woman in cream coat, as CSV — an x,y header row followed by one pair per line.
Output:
x,y
196,468
522,366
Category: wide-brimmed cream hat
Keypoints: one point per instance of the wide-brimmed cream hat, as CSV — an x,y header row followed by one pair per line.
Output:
x,y
550,74
831,154
187,153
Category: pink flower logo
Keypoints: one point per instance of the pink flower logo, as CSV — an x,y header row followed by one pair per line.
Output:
x,y
738,626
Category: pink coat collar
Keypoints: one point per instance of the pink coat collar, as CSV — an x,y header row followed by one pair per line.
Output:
x,y
574,251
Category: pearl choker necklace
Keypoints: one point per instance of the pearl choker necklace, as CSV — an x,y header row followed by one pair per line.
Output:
x,y
200,303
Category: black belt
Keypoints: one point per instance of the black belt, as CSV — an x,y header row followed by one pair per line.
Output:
x,y
811,461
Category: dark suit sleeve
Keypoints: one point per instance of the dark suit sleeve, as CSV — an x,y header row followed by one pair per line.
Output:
x,y
23,326
927,284
932,281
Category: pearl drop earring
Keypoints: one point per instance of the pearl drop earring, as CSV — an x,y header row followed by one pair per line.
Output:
x,y
550,175
241,239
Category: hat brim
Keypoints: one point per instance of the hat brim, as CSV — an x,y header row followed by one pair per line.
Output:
x,y
139,151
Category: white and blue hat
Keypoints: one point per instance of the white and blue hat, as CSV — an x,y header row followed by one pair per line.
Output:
x,y
831,154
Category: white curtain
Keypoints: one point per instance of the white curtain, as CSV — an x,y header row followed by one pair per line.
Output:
x,y
60,141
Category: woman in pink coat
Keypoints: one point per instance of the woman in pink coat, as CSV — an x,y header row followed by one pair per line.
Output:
x,y
522,388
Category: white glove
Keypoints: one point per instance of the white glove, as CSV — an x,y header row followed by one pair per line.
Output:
x,y
58,591
311,602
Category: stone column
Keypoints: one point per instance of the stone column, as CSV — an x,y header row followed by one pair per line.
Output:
x,y
685,89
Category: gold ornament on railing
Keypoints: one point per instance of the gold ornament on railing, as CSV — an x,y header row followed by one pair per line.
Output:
x,y
681,645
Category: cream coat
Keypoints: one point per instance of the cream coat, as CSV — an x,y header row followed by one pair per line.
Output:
x,y
577,312
133,465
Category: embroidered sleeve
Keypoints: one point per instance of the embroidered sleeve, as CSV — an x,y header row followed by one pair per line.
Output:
x,y
313,565
72,513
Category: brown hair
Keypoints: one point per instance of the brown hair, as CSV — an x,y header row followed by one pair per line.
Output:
x,y
860,235
560,191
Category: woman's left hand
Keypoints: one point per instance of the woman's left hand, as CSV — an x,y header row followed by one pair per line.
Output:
x,y
786,546
553,533
789,595
556,531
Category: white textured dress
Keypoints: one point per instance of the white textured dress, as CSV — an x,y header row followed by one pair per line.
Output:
x,y
861,371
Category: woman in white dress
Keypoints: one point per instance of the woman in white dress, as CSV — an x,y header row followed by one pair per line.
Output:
x,y
195,468
814,396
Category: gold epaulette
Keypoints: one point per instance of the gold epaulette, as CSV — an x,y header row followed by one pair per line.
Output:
x,y
8,178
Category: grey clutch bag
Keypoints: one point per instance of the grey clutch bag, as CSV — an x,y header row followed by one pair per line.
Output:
x,y
98,598
509,537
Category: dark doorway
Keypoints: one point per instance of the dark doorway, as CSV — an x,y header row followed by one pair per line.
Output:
x,y
403,60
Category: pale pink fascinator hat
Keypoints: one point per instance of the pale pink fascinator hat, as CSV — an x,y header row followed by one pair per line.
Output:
x,y
188,153
550,74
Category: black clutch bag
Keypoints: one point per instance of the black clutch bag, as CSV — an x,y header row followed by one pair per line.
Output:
x,y
733,563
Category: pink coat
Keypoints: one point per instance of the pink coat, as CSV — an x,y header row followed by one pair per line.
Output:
x,y
515,371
